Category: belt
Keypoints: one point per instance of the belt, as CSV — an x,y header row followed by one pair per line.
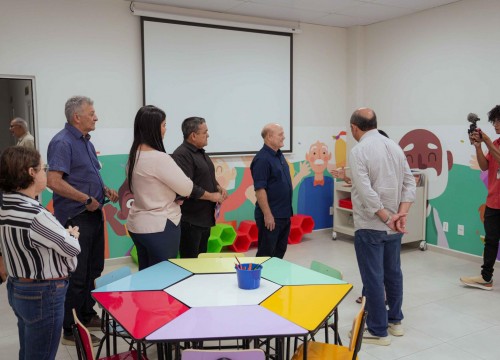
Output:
x,y
38,280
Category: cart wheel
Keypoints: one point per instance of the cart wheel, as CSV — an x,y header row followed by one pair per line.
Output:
x,y
334,235
423,245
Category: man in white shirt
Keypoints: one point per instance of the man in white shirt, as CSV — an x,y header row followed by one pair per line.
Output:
x,y
382,193
19,129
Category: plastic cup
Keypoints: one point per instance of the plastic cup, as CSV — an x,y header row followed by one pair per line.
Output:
x,y
248,279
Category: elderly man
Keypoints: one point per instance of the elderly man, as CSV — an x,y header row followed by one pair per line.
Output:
x,y
273,189
383,189
198,211
79,193
19,129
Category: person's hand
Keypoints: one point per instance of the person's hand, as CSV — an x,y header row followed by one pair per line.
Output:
x,y
223,192
483,136
269,222
476,137
73,231
111,194
398,222
340,174
93,206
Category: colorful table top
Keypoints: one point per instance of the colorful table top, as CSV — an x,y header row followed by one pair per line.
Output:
x,y
197,299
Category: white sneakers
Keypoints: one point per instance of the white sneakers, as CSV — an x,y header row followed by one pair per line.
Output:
x,y
396,329
477,282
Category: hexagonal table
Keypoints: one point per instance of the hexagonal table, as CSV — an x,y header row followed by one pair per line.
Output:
x,y
199,299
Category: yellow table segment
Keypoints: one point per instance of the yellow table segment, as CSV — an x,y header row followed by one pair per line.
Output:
x,y
306,305
215,265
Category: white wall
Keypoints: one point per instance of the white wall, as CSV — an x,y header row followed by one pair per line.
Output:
x,y
84,47
436,66
93,48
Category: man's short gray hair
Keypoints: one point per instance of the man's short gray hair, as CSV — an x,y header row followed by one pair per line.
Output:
x,y
74,105
21,122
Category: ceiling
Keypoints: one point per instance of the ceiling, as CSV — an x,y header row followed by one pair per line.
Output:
x,y
342,13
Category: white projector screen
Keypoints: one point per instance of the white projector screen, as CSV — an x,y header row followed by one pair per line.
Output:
x,y
238,80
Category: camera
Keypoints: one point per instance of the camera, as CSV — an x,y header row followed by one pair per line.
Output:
x,y
473,119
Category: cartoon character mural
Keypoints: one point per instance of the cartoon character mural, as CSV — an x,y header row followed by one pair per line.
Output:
x,y
114,218
244,191
316,192
424,151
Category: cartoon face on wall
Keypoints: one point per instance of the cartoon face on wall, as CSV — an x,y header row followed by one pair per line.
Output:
x,y
126,198
224,175
318,157
424,151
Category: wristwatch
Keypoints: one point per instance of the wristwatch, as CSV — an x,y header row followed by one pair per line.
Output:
x,y
88,201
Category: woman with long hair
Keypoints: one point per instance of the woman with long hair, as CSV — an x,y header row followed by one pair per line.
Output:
x,y
39,254
156,181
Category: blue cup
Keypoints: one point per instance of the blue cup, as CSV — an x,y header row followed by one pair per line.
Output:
x,y
248,279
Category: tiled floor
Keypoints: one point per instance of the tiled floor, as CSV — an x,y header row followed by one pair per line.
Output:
x,y
443,319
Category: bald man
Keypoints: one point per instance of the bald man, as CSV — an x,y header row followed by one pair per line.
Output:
x,y
19,129
383,189
273,189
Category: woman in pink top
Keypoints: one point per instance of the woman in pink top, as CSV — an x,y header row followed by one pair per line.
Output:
x,y
155,180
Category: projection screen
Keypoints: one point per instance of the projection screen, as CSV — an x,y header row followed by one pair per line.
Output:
x,y
237,79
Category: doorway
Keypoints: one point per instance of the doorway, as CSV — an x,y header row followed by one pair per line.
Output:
x,y
16,100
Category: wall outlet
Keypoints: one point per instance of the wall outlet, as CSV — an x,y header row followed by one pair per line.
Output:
x,y
460,230
445,226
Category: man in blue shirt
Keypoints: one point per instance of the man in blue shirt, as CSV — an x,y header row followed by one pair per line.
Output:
x,y
273,189
79,194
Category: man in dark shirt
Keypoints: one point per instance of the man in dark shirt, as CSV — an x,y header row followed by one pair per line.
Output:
x,y
198,211
273,189
79,193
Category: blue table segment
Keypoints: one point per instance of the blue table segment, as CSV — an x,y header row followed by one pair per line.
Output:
x,y
286,273
156,277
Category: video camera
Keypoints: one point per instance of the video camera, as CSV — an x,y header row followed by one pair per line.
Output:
x,y
473,119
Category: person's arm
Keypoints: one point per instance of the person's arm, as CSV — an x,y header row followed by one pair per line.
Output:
x,y
3,271
46,231
61,187
476,138
494,151
261,195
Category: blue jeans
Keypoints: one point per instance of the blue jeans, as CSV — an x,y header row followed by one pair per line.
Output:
x,y
157,247
89,268
273,243
379,263
39,308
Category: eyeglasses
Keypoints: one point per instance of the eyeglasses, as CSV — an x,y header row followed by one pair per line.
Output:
x,y
11,126
45,167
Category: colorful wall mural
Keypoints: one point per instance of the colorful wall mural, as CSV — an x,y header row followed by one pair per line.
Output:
x,y
456,189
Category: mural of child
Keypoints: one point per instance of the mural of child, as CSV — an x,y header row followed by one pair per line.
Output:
x,y
316,192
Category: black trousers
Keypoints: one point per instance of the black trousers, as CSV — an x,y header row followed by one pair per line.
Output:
x,y
194,240
89,268
491,238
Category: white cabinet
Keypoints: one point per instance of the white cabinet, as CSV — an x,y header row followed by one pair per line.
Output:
x,y
342,217
415,226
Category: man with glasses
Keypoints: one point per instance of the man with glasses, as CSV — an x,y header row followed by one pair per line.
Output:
x,y
19,129
198,211
489,162
79,193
